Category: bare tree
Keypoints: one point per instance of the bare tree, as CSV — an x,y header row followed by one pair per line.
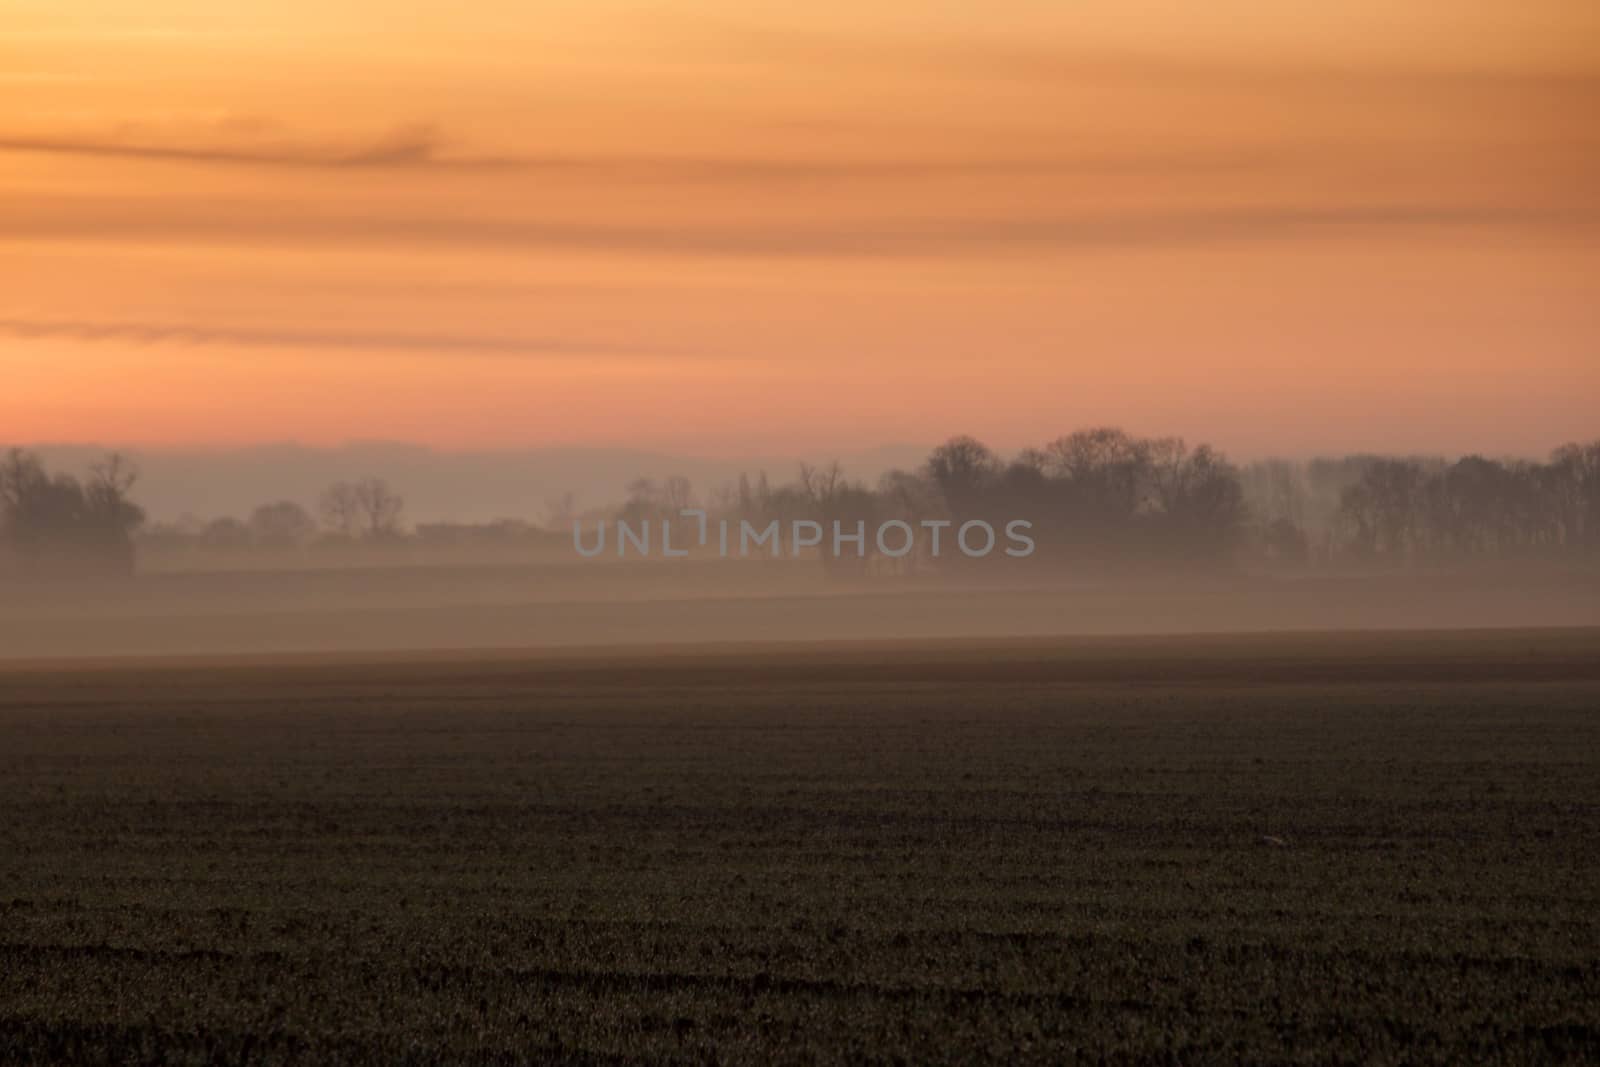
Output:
x,y
340,512
380,508
821,484
366,509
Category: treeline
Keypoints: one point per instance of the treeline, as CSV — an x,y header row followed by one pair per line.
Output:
x,y
1095,497
1103,496
62,525
364,511
1475,507
351,517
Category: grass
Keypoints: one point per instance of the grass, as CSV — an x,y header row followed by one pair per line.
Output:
x,y
1306,848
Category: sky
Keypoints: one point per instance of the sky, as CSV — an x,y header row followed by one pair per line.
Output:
x,y
724,228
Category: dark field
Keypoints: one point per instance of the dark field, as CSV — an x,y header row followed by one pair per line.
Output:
x,y
1380,849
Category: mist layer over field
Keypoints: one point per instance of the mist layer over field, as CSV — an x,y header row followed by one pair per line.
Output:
x,y
677,602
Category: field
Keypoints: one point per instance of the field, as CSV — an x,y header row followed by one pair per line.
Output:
x,y
1310,847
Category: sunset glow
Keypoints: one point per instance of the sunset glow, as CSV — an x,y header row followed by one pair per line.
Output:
x,y
718,227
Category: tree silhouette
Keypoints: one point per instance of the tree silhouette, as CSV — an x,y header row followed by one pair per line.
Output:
x,y
58,525
363,510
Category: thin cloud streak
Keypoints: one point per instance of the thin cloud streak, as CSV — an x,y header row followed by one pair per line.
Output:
x,y
111,220
236,336
998,59
417,145
421,148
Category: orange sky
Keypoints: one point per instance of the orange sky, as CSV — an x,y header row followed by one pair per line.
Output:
x,y
728,227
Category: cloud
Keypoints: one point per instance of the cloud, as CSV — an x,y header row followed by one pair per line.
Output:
x,y
412,145
250,337
422,147
998,58
87,219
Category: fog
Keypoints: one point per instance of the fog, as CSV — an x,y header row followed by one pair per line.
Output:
x,y
1096,532
660,603
439,485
